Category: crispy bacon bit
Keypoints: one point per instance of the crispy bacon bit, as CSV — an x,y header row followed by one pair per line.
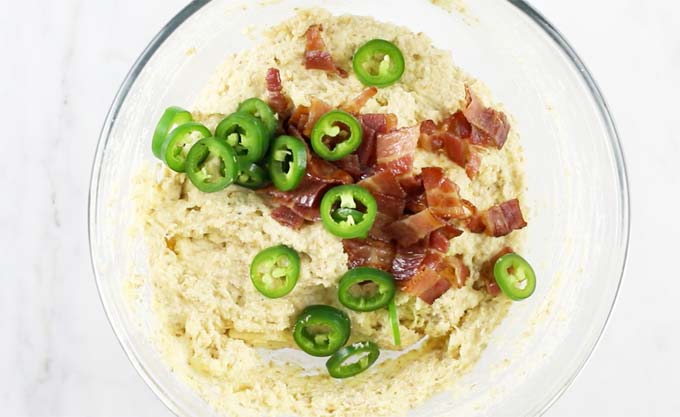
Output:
x,y
351,165
486,278
395,150
439,239
383,183
498,220
411,229
323,171
408,260
317,108
355,105
451,137
427,284
443,195
287,217
368,252
490,127
372,125
316,55
278,101
390,199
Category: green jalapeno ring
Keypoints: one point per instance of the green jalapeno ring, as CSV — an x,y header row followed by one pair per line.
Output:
x,y
379,295
251,175
287,162
348,197
514,276
179,141
390,63
321,330
246,134
339,368
172,117
261,110
275,271
211,165
335,125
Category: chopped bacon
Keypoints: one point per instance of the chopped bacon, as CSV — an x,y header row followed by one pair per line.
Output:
x,y
430,138
307,194
486,278
416,203
427,284
490,127
408,260
451,137
298,119
355,105
372,125
383,183
461,271
498,220
368,252
323,171
411,229
443,195
317,108
351,165
316,55
278,101
439,239
395,150
287,217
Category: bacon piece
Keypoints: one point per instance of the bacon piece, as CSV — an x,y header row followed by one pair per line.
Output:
x,y
486,278
355,105
317,108
427,284
279,102
298,119
498,220
430,137
411,229
450,136
368,252
408,260
443,195
323,171
490,127
395,150
307,194
372,125
316,55
439,239
287,217
383,183
351,165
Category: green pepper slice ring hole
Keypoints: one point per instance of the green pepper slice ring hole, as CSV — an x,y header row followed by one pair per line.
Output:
x,y
321,330
335,135
275,271
348,211
171,118
261,110
514,276
287,162
378,63
366,289
246,134
211,165
179,141
353,359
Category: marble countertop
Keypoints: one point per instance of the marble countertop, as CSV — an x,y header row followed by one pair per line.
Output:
x,y
62,64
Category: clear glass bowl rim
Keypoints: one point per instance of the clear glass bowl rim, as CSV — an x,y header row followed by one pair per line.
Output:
x,y
196,5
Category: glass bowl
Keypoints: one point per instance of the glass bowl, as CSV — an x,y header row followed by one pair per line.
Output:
x,y
576,179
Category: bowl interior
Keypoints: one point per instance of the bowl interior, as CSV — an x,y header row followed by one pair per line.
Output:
x,y
577,190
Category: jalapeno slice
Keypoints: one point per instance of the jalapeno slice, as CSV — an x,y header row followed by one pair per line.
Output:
x,y
177,144
251,175
366,289
321,330
353,359
246,134
514,276
172,117
261,110
343,223
287,162
211,165
378,63
335,135
394,322
275,271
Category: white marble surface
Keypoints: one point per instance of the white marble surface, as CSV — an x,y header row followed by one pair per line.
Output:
x,y
62,62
